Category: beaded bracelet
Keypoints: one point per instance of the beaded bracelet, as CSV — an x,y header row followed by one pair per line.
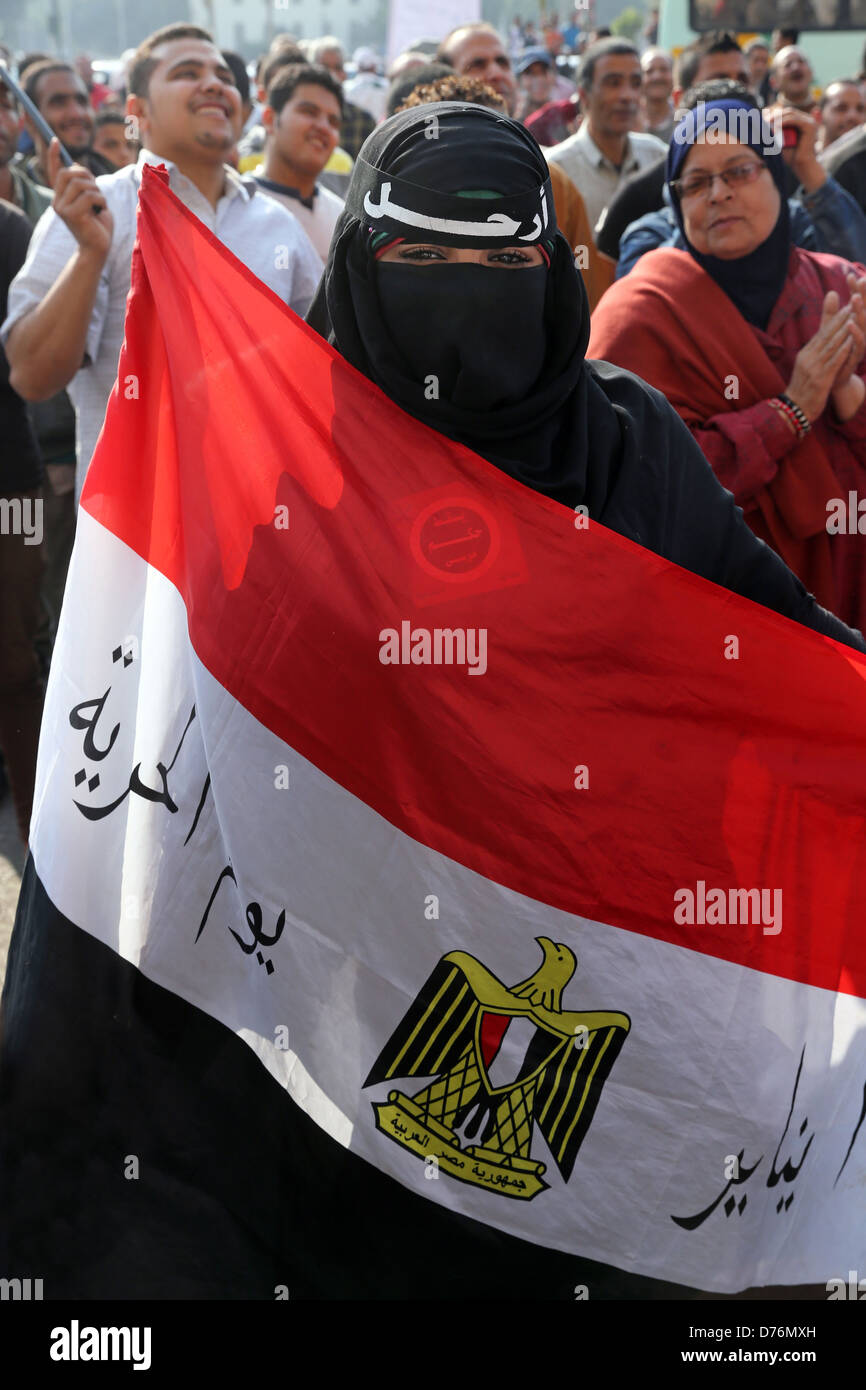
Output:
x,y
792,412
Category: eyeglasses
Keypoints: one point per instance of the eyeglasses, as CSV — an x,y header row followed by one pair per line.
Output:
x,y
699,185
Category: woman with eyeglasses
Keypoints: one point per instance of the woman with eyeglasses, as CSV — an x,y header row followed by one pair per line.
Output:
x,y
759,345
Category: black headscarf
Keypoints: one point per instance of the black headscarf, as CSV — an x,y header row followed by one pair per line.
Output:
x,y
506,346
753,282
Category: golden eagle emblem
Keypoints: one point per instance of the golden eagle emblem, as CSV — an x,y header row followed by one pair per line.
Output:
x,y
503,1060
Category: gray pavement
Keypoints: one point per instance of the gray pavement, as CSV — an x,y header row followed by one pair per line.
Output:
x,y
11,867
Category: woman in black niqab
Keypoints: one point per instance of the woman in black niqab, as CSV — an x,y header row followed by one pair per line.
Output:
x,y
508,353
507,350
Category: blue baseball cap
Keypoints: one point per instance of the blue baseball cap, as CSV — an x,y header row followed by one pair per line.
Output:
x,y
530,56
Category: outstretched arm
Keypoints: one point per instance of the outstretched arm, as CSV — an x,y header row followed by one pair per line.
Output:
x,y
46,344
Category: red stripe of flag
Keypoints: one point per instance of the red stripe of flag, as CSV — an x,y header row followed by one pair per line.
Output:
x,y
742,774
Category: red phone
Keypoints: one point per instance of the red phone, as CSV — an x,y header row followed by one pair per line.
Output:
x,y
790,136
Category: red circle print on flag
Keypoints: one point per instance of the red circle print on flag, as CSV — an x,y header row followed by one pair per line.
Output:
x,y
455,538
460,543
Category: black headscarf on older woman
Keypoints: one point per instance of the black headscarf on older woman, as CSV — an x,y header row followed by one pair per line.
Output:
x,y
753,282
506,347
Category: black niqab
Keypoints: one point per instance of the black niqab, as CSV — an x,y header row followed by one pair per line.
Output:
x,y
550,417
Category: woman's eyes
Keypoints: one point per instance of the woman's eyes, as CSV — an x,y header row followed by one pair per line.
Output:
x,y
429,253
422,253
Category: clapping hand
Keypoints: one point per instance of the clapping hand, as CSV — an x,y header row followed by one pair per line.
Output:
x,y
848,390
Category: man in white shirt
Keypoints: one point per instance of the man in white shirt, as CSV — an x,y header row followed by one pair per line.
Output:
x,y
302,125
605,151
64,325
367,89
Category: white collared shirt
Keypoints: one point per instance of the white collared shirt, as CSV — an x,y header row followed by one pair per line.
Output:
x,y
254,227
592,173
318,215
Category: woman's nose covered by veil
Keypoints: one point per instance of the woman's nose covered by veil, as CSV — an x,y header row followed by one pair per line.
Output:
x,y
482,340
491,357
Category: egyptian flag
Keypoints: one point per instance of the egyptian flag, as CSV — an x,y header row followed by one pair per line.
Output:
x,y
430,895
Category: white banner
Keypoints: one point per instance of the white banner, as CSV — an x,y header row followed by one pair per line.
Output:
x,y
411,20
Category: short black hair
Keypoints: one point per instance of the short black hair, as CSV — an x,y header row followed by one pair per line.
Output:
x,y
239,73
403,86
37,71
143,62
716,89
109,116
281,57
688,62
294,75
604,48
30,58
791,36
280,43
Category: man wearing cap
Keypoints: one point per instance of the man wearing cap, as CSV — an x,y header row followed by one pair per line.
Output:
x,y
548,103
535,74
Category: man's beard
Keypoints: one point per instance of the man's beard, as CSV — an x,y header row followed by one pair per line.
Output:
x,y
75,150
211,141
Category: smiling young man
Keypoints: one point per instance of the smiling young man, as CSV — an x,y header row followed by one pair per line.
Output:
x,y
67,304
357,123
302,120
606,150
61,98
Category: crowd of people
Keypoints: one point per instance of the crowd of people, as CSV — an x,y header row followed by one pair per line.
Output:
x,y
707,233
